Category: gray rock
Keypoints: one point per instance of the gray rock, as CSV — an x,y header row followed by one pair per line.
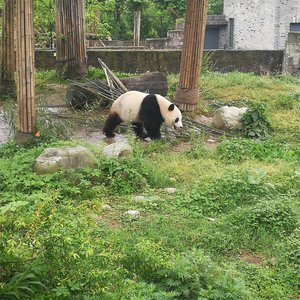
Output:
x,y
228,118
106,207
139,198
170,190
53,159
133,213
118,149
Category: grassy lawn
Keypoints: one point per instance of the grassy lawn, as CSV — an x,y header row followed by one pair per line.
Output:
x,y
231,231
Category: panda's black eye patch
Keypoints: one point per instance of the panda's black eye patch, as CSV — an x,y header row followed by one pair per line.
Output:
x,y
176,120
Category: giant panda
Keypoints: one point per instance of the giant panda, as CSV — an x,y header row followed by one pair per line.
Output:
x,y
147,111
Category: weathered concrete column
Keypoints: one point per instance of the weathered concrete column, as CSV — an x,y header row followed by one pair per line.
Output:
x,y
8,45
291,60
70,39
25,70
187,92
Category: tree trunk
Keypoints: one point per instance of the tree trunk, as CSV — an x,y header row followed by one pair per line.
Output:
x,y
25,70
137,27
187,92
71,54
8,46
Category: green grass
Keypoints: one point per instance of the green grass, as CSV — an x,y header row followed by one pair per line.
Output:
x,y
231,231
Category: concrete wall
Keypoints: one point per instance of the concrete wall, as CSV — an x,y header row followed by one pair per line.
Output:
x,y
168,61
261,24
291,62
254,22
287,11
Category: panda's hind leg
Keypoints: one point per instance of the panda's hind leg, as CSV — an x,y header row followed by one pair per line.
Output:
x,y
112,121
138,129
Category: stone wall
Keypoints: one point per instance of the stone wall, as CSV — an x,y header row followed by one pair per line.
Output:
x,y
254,23
263,24
287,11
291,62
168,61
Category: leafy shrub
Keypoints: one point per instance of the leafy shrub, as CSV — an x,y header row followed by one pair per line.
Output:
x,y
8,149
194,275
266,285
273,216
293,249
255,123
286,101
191,275
237,150
20,286
219,195
197,149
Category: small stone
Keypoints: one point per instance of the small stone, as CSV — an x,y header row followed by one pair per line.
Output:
x,y
106,207
210,141
133,213
139,198
118,149
95,217
170,190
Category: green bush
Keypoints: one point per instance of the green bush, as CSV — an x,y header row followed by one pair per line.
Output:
x,y
273,216
194,275
212,196
191,275
255,123
293,247
237,150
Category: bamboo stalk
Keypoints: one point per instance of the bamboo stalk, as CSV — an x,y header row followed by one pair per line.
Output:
x,y
187,92
8,56
25,69
71,46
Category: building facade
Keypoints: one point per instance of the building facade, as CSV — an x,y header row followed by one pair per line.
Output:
x,y
260,24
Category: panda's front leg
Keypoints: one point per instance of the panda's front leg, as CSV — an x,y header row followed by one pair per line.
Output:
x,y
153,130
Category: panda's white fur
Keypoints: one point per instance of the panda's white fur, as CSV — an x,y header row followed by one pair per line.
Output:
x,y
140,109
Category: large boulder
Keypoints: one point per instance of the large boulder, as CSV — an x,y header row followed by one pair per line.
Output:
x,y
53,159
228,117
117,149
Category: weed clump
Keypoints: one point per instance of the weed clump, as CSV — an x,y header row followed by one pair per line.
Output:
x,y
238,149
213,196
273,216
255,123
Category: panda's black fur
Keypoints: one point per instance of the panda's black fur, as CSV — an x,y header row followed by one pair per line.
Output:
x,y
149,116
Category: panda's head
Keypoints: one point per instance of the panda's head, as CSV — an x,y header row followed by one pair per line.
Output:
x,y
173,118
170,112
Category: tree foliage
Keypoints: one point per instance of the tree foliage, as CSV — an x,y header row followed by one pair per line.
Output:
x,y
113,19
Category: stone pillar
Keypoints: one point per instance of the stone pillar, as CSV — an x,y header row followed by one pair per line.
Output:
x,y
187,92
291,60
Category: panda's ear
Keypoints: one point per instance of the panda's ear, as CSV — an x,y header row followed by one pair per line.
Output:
x,y
171,107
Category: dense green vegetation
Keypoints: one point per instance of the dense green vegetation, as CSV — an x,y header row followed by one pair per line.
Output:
x,y
114,18
231,231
